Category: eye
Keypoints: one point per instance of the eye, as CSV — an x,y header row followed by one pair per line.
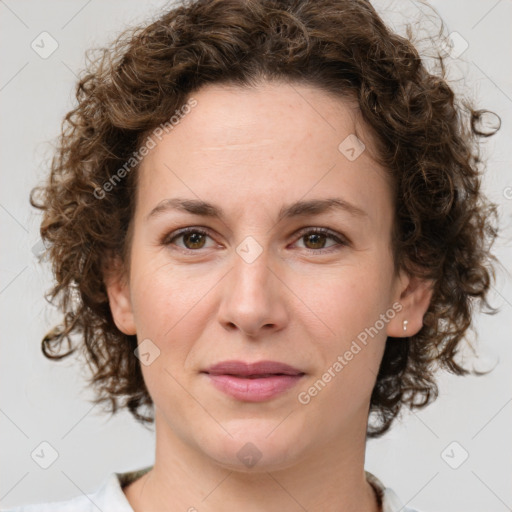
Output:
x,y
316,238
193,238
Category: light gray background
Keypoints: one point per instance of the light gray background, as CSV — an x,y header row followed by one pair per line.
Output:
x,y
47,401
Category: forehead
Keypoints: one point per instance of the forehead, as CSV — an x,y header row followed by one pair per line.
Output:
x,y
304,111
273,142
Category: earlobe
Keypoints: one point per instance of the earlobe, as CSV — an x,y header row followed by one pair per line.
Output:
x,y
414,295
118,291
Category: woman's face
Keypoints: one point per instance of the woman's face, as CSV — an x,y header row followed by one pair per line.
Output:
x,y
259,285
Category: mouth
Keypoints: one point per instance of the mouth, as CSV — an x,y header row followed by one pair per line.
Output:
x,y
253,382
261,369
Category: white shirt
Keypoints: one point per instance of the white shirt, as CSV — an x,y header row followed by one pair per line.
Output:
x,y
110,497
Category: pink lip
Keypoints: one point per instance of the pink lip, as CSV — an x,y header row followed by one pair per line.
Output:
x,y
253,382
243,369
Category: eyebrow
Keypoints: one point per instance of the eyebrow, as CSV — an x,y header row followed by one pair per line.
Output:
x,y
297,209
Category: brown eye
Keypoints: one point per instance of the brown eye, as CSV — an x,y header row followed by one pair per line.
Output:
x,y
317,240
314,240
193,239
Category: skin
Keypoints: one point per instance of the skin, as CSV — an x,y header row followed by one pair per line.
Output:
x,y
251,151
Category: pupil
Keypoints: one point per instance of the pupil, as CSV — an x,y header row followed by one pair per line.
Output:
x,y
196,239
318,237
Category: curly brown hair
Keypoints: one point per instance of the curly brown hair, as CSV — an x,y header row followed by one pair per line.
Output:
x,y
427,139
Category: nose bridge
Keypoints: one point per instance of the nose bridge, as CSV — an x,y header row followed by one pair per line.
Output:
x,y
252,299
251,267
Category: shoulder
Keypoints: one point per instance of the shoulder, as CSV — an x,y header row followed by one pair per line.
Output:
x,y
109,496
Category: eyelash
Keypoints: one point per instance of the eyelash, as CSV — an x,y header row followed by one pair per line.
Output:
x,y
341,241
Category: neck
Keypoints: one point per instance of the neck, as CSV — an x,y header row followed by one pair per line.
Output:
x,y
331,479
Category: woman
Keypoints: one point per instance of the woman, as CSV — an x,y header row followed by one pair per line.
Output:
x,y
266,225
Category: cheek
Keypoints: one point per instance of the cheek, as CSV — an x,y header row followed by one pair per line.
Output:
x,y
351,304
167,311
350,300
352,344
164,295
163,310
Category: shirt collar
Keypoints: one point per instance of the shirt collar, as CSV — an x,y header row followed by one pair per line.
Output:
x,y
389,501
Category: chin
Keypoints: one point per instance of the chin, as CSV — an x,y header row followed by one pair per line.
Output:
x,y
255,448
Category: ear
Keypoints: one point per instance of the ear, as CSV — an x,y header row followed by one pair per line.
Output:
x,y
414,294
118,290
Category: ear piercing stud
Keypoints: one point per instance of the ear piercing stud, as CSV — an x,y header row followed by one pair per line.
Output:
x,y
405,324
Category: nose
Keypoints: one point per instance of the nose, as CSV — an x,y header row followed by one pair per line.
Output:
x,y
253,298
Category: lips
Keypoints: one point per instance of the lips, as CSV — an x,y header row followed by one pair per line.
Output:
x,y
256,370
253,382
